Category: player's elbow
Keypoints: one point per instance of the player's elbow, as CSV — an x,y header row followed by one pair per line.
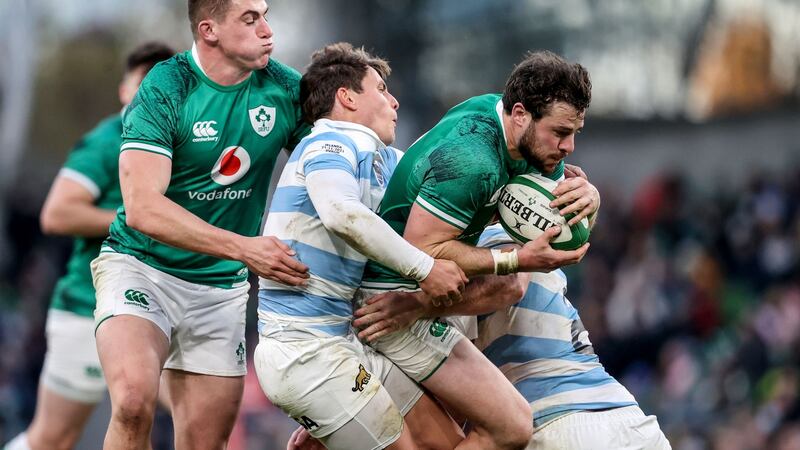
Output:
x,y
338,218
138,214
51,221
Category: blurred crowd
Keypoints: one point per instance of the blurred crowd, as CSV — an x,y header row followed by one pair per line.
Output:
x,y
691,298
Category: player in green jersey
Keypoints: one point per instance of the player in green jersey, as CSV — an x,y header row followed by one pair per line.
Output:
x,y
443,194
199,143
81,203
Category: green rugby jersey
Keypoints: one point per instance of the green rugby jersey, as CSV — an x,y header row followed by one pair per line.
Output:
x,y
93,163
455,171
223,141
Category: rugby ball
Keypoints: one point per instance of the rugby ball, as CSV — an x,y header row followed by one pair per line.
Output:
x,y
525,213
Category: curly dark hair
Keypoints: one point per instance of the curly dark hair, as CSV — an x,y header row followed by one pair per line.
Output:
x,y
543,78
334,66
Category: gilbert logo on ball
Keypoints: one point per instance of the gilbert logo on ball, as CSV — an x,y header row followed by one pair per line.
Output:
x,y
525,213
232,165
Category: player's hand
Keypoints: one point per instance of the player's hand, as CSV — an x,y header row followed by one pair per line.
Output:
x,y
270,258
572,171
538,256
388,312
577,195
301,440
445,283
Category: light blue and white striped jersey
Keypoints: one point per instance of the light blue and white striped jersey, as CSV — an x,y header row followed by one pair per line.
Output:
x,y
323,305
542,347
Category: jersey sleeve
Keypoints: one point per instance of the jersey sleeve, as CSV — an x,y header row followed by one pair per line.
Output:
x,y
89,164
330,151
150,122
454,186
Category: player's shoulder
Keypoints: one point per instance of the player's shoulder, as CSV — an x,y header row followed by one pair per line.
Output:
x,y
324,139
286,77
172,79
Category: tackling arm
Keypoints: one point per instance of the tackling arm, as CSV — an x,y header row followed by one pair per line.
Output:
x,y
144,178
335,195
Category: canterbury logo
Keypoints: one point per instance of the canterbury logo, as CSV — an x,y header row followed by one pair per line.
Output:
x,y
137,298
204,131
362,378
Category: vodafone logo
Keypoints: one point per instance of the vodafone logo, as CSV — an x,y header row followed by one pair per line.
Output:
x,y
232,165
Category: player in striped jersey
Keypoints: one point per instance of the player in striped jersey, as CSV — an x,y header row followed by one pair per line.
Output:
x,y
308,360
542,347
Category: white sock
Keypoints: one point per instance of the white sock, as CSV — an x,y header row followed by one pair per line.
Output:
x,y
18,443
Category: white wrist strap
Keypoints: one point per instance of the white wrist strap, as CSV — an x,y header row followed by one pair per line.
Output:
x,y
505,262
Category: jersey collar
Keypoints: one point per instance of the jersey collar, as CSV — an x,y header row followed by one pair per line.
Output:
x,y
364,137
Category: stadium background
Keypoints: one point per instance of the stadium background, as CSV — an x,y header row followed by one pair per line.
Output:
x,y
691,290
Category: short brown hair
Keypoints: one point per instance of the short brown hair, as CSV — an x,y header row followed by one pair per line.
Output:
x,y
200,10
334,66
148,55
543,78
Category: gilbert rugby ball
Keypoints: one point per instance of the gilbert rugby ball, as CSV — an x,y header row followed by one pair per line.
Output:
x,y
525,213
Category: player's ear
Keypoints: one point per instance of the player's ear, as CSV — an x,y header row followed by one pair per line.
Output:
x,y
520,116
206,30
346,98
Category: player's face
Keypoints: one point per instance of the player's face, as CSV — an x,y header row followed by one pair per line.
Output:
x,y
377,108
552,138
244,34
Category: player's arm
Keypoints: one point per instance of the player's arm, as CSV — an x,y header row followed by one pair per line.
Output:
x,y
144,178
393,311
578,194
437,238
69,209
336,197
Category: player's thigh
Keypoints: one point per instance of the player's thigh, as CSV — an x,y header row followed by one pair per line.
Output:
x,y
203,407
421,349
132,352
132,324
323,383
431,426
492,403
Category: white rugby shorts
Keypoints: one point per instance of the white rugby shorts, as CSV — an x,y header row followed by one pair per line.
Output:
x,y
204,324
625,428
71,365
423,347
324,383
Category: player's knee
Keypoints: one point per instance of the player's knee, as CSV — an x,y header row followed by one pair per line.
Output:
x,y
519,429
133,409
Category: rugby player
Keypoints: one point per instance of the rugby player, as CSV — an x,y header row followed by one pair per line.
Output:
x,y
81,203
541,345
308,359
442,196
199,142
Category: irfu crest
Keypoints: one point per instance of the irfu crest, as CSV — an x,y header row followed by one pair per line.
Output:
x,y
262,118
